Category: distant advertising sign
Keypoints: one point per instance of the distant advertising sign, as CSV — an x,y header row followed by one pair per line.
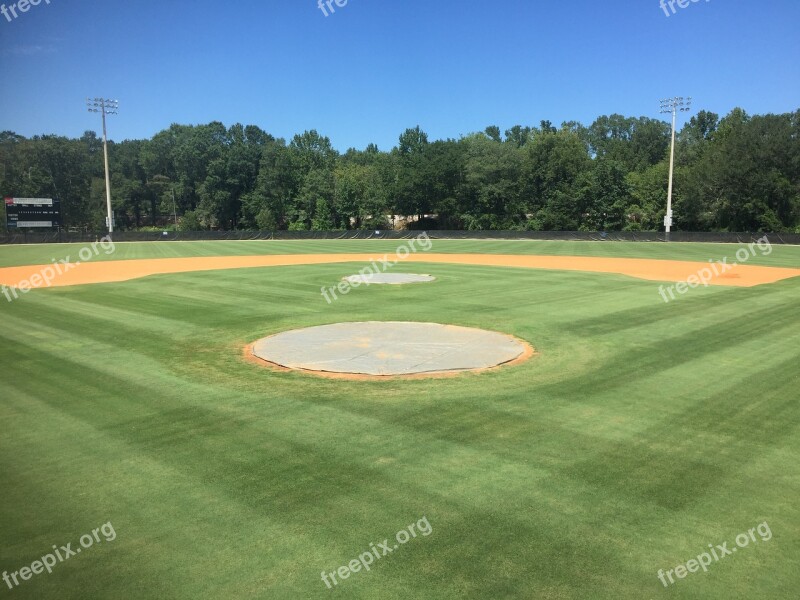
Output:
x,y
33,213
21,224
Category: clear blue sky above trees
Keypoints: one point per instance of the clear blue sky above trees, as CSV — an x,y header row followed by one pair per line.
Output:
x,y
376,67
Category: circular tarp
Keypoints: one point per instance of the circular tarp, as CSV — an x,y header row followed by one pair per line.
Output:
x,y
378,348
389,278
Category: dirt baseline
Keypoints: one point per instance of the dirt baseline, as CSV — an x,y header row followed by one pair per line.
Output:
x,y
640,268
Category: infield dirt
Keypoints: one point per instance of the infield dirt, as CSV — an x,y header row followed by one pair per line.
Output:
x,y
652,270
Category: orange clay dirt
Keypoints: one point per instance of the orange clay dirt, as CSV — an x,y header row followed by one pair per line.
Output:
x,y
653,270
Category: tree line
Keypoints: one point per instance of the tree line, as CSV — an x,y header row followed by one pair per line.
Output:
x,y
737,173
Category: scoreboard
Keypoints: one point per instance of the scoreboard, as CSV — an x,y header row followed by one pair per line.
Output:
x,y
23,213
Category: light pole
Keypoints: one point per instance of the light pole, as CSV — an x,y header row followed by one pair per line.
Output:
x,y
105,107
174,211
163,180
672,105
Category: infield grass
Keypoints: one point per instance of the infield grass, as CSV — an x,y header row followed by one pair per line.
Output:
x,y
642,433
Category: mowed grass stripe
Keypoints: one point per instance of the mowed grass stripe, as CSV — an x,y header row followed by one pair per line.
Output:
x,y
146,479
163,437
575,475
779,256
171,419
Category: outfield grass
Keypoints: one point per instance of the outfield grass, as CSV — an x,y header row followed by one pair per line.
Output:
x,y
642,433
778,256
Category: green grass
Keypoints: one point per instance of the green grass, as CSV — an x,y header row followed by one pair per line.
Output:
x,y
778,256
643,432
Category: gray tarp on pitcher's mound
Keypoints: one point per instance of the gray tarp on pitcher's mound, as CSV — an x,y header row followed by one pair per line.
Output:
x,y
388,348
389,278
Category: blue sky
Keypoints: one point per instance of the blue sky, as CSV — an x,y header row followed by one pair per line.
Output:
x,y
376,67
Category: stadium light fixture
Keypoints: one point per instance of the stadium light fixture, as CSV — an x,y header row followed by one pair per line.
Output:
x,y
105,107
672,105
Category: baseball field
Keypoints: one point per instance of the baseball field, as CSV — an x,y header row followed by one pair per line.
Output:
x,y
649,449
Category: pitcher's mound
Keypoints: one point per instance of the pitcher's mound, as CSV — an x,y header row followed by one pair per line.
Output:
x,y
389,278
381,349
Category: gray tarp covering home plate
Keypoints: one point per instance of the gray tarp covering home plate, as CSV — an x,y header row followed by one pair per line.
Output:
x,y
388,348
389,278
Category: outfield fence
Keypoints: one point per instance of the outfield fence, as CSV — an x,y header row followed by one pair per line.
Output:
x,y
360,234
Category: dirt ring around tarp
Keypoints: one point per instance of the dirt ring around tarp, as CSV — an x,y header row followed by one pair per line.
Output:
x,y
380,350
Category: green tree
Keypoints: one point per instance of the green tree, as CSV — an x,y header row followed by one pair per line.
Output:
x,y
604,197
492,184
552,164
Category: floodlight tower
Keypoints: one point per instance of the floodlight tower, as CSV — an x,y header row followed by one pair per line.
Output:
x,y
673,105
105,107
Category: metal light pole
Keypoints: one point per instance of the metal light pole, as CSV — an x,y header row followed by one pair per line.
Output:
x,y
672,105
163,180
105,107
